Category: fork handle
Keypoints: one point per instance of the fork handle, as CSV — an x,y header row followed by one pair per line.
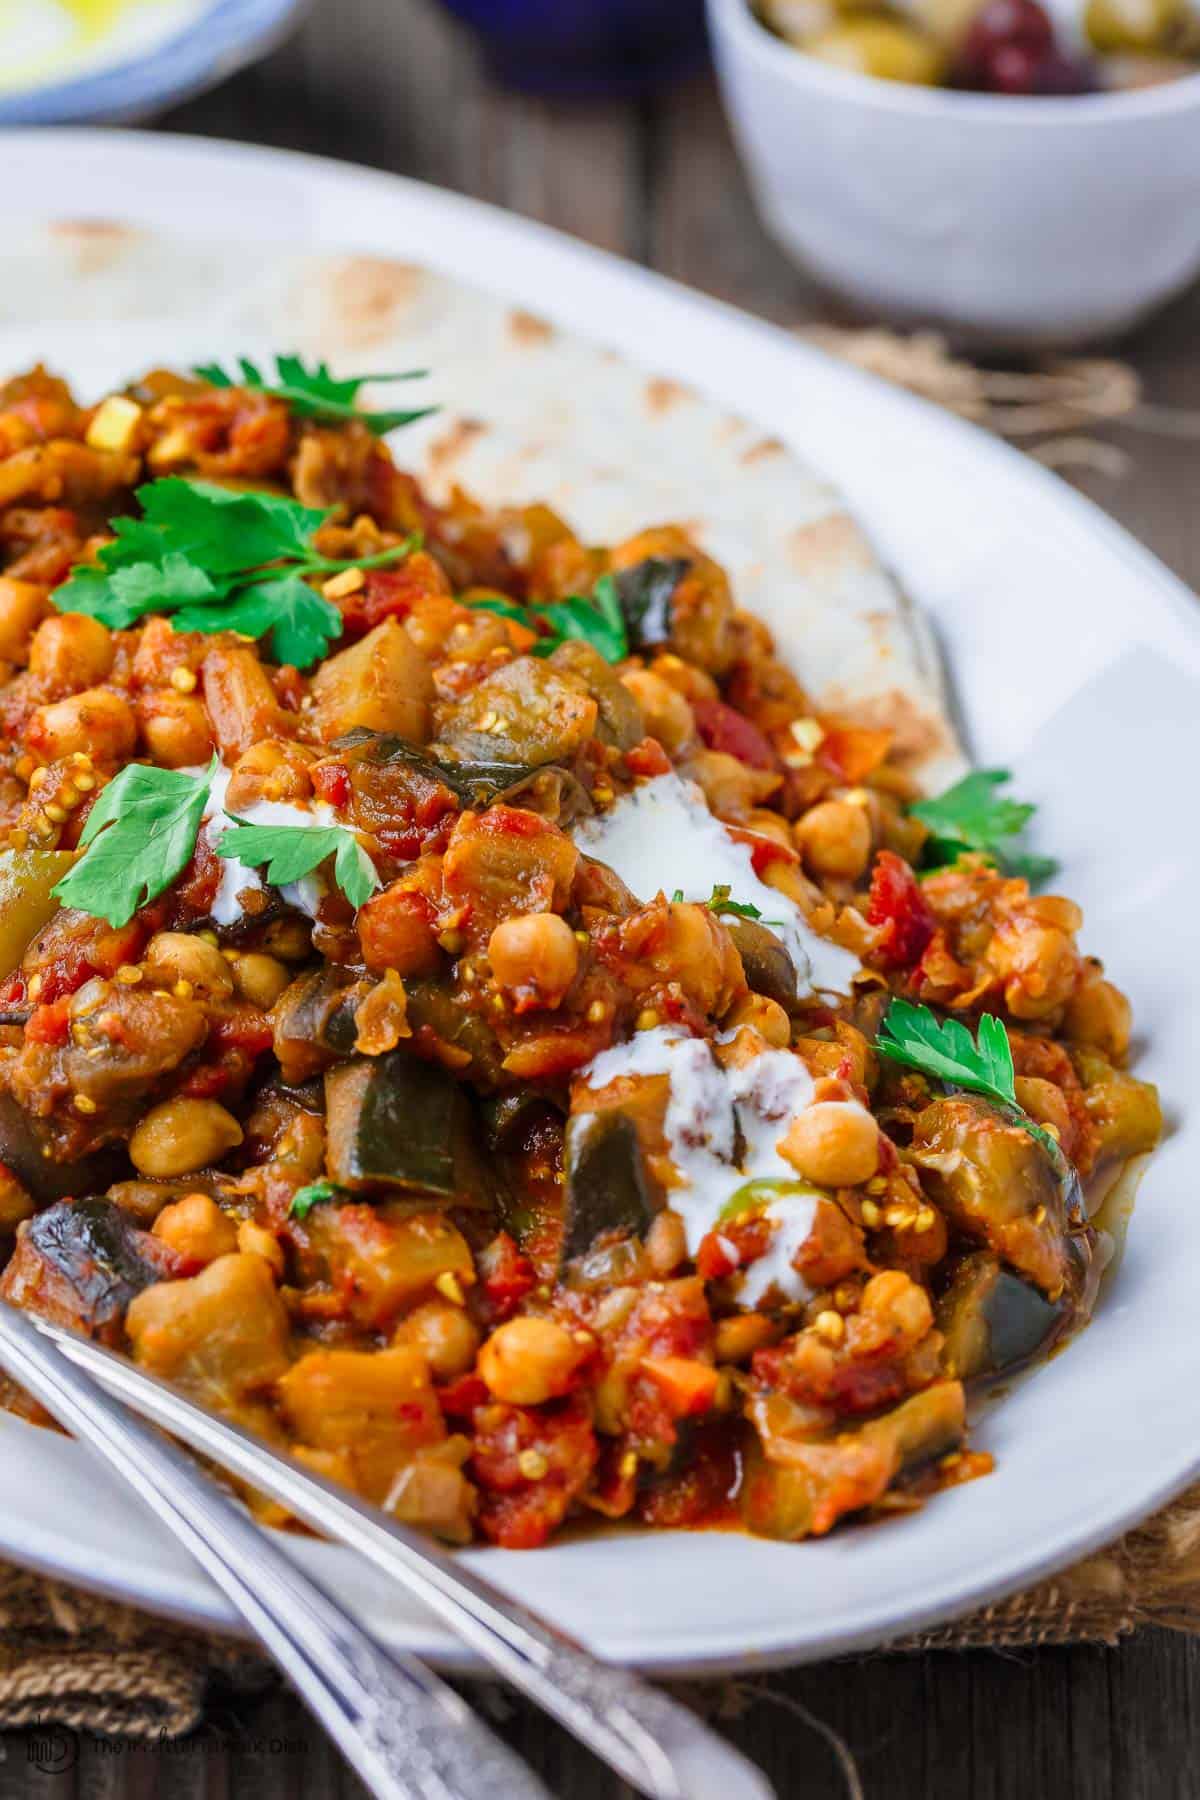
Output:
x,y
408,1735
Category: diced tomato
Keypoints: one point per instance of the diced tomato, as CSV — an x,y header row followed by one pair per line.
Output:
x,y
241,1027
460,1398
852,752
686,1385
699,1492
648,758
732,1246
763,850
898,905
12,991
519,1509
506,1276
331,783
48,1024
723,728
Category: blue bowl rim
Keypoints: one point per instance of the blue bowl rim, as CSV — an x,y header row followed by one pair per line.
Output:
x,y
227,34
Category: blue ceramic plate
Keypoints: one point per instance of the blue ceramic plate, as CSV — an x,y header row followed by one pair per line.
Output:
x,y
120,60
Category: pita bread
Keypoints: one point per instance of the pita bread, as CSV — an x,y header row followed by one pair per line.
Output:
x,y
528,413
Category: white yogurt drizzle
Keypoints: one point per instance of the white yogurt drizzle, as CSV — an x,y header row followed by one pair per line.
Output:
x,y
663,838
305,895
707,1105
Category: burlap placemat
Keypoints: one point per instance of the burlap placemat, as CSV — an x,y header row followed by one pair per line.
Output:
x,y
73,1659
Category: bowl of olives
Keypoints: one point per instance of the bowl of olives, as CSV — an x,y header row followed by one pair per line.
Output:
x,y
1016,176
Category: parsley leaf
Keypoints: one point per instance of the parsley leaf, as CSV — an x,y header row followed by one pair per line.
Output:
x,y
305,1198
138,837
301,623
219,559
973,816
719,902
946,1051
293,851
313,393
598,621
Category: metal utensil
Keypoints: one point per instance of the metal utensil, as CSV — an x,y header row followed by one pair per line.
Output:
x,y
654,1742
409,1736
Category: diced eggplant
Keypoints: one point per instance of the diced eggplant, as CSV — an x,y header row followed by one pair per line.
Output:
x,y
508,1117
607,1188
795,1485
767,965
313,1020
620,721
646,591
1000,1184
475,781
28,1150
994,1322
432,1006
396,1123
81,1262
526,714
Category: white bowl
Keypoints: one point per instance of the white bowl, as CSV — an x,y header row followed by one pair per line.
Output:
x,y
1022,222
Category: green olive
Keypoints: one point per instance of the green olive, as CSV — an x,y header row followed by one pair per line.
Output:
x,y
1129,72
880,47
945,21
1131,24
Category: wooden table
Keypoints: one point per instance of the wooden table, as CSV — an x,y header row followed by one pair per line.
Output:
x,y
393,84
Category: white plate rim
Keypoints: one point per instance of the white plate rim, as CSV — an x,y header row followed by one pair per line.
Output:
x,y
337,206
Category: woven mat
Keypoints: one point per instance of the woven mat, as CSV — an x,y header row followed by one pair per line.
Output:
x,y
95,1666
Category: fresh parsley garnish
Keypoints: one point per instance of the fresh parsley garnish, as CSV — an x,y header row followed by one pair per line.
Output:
x,y
219,559
946,1051
720,902
138,837
305,1198
973,816
293,851
599,621
316,394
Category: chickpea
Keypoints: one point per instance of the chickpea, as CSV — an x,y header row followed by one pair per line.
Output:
x,y
182,1135
666,1242
1037,963
270,770
259,979
256,1240
174,728
535,953
834,839
667,715
1045,1102
196,1229
71,652
444,1334
764,1016
834,1143
1099,1014
692,682
732,788
697,952
173,956
740,1336
527,1361
288,939
22,606
98,723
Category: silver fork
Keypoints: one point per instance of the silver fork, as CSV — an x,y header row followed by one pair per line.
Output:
x,y
651,1740
409,1736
